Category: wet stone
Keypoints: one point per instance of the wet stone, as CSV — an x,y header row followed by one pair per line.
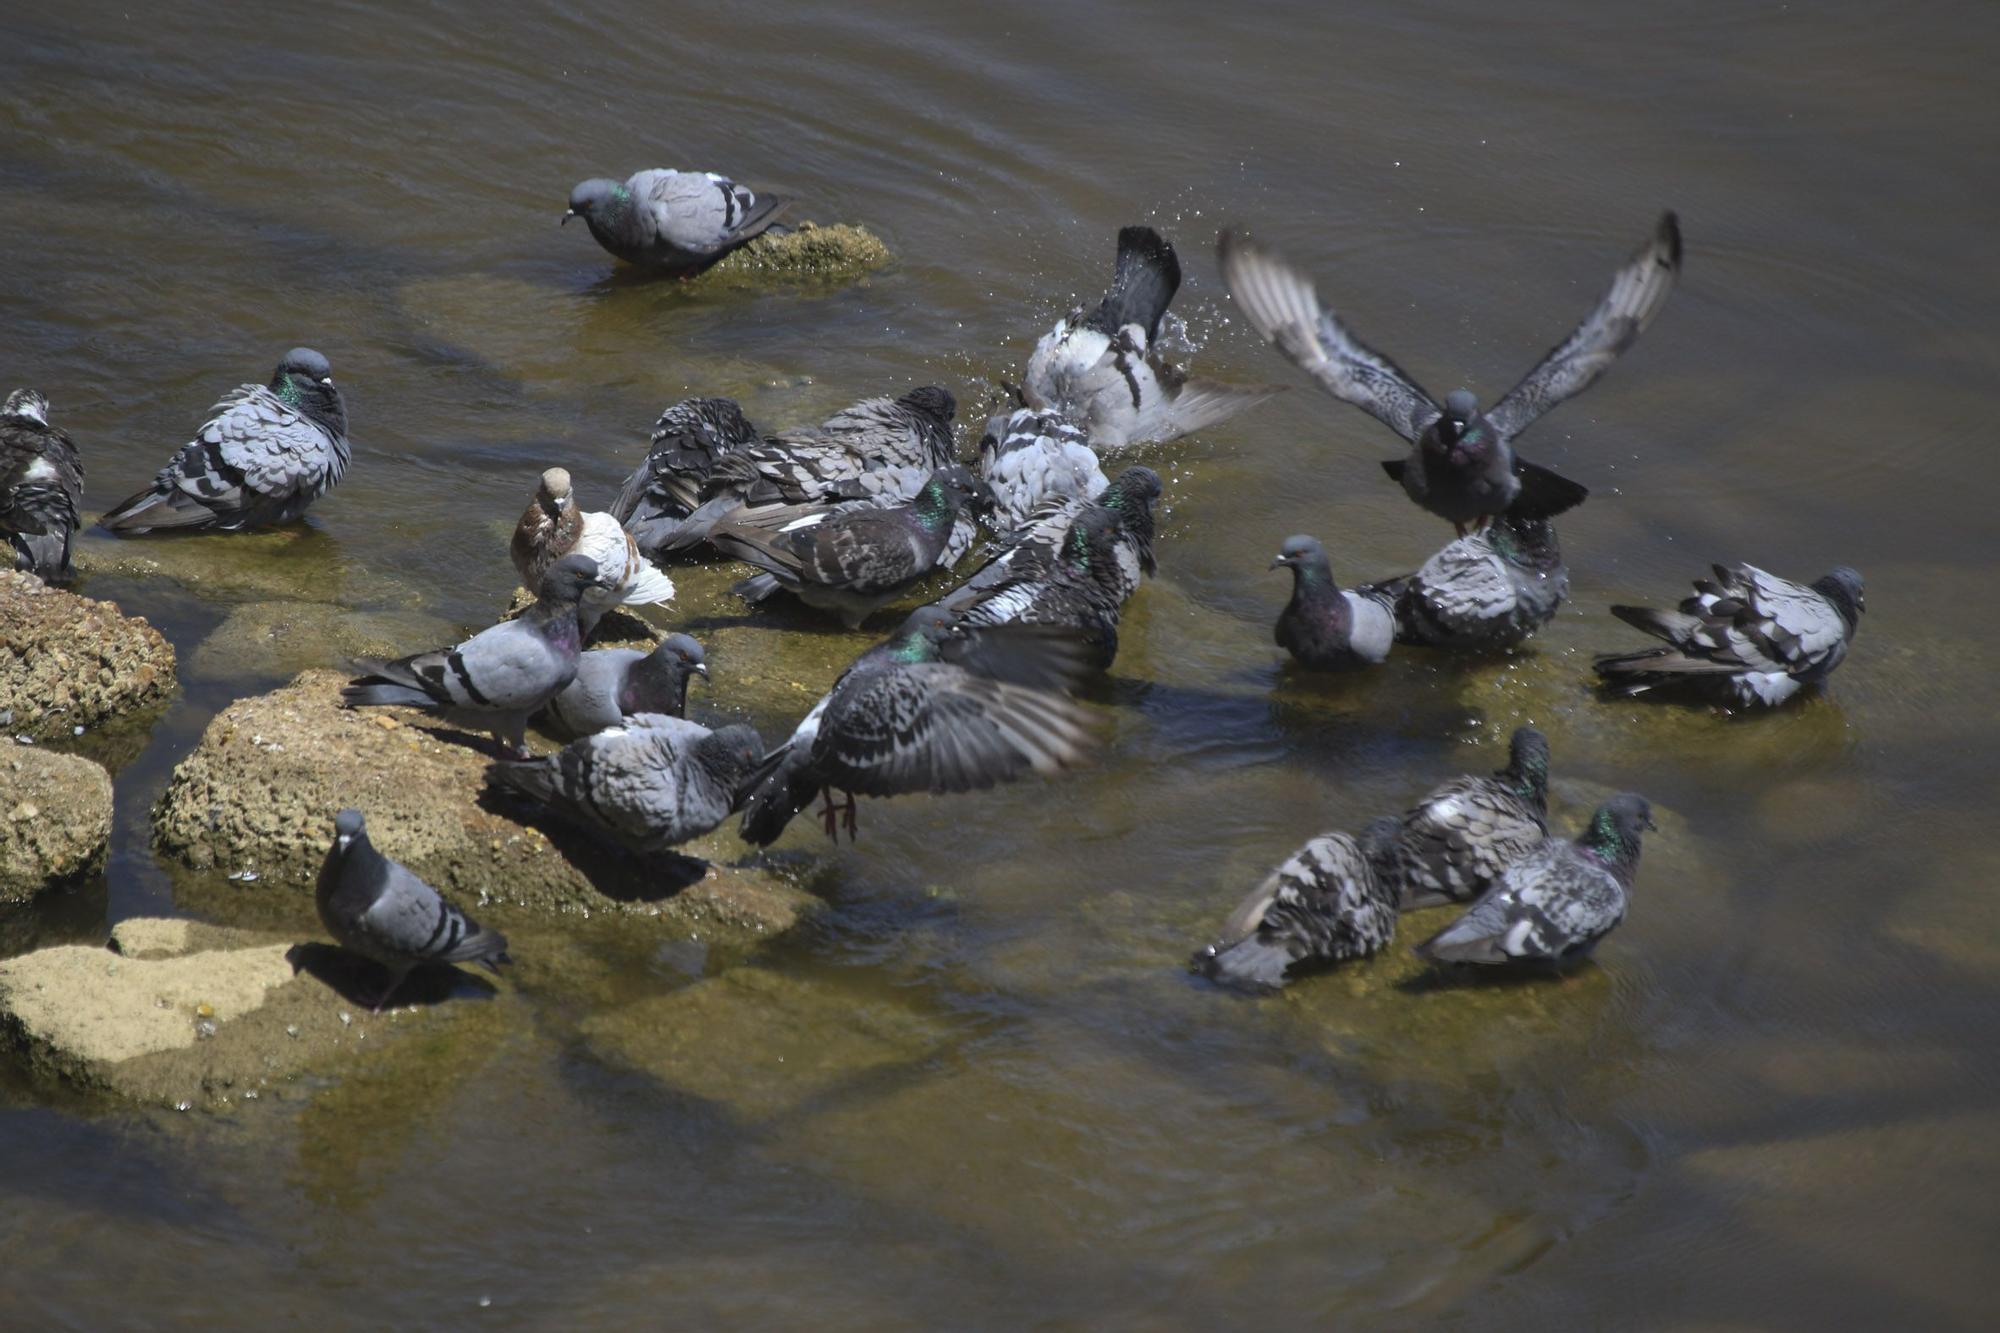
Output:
x,y
55,820
68,661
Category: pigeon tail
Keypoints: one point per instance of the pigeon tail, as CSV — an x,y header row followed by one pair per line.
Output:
x,y
1142,285
529,777
756,588
373,692
1463,941
659,538
649,586
1544,494
776,790
1204,403
1250,964
1673,626
149,510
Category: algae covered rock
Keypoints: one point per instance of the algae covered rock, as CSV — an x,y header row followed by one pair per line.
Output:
x,y
55,819
68,661
808,252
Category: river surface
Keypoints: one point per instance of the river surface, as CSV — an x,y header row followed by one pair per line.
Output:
x,y
1773,1101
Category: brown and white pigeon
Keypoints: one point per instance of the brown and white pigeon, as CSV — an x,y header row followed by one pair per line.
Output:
x,y
555,525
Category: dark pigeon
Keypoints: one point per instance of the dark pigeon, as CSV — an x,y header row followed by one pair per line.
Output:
x,y
1461,835
672,221
1081,589
1322,626
1485,591
1037,546
612,684
686,443
41,487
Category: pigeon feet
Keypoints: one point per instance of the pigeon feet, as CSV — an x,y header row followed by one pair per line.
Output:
x,y
845,812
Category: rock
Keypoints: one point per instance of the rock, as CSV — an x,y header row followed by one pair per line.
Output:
x,y
55,819
260,790
68,661
808,252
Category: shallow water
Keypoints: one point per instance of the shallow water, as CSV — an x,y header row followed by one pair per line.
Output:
x,y
981,1091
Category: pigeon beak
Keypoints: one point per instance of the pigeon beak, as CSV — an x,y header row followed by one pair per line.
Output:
x,y
700,668
567,215
327,380
1278,562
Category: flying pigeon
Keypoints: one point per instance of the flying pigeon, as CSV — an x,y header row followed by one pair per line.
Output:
x,y
499,676
1332,900
1108,372
1484,591
1323,627
687,441
377,908
1463,833
1461,466
554,525
612,684
1744,639
674,221
264,454
1030,458
1557,901
41,487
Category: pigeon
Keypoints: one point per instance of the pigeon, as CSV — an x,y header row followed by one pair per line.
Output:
x,y
1745,639
1108,372
612,684
1079,590
41,487
1034,548
554,525
1558,900
1030,458
377,908
1462,465
1485,591
673,221
265,453
686,443
499,676
1332,900
936,707
1323,627
1465,832
854,561
651,784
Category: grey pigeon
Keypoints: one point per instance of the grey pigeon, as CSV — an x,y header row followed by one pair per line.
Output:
x,y
933,708
1462,465
1035,547
687,441
612,684
1485,591
499,676
1332,900
675,221
1324,627
1745,639
41,487
1030,458
1463,833
1109,372
1558,900
651,784
1080,589
854,561
377,908
265,453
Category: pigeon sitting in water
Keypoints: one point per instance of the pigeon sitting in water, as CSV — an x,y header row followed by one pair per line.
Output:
x,y
1332,900
554,525
1323,627
674,221
1030,458
1462,465
1036,547
850,562
499,676
1482,592
41,487
651,784
263,456
1746,638
687,441
1081,589
377,908
612,684
937,708
1557,901
1462,834
1108,372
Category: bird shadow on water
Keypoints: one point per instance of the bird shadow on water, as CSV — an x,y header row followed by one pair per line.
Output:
x,y
360,982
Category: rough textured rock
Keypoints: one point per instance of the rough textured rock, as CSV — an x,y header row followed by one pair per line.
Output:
x,y
68,661
807,252
55,819
260,790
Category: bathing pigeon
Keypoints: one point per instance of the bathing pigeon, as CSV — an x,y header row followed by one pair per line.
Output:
x,y
1746,638
1323,627
554,525
1558,900
496,678
611,684
41,487
263,456
377,908
1030,458
1461,466
1462,834
936,707
1080,590
674,221
686,442
1484,591
1332,900
652,783
1035,547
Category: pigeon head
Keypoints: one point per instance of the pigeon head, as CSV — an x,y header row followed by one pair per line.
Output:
x,y
932,401
1140,485
1458,431
1381,842
657,682
1131,497
731,753
26,405
568,579
920,638
1616,827
597,199
1304,556
304,381
1528,763
554,495
951,488
1843,588
347,826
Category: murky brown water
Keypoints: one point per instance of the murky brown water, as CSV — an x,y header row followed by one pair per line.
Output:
x,y
1772,1104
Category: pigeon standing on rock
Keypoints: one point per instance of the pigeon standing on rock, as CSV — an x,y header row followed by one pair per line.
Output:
x,y
1030,458
1108,372
265,453
499,676
1556,902
554,525
612,684
687,441
673,221
1323,627
1462,465
1484,591
1332,900
377,908
41,487
1745,639
1460,836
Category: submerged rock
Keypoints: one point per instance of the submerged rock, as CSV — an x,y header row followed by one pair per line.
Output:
x,y
282,638
68,661
55,820
839,252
